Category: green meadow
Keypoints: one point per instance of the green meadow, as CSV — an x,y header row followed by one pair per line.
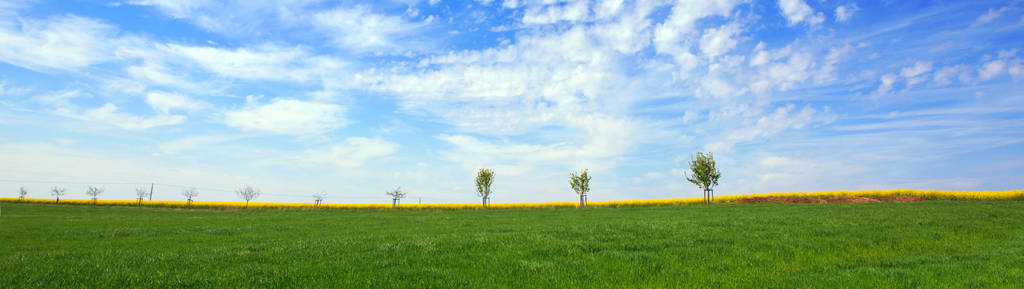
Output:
x,y
931,244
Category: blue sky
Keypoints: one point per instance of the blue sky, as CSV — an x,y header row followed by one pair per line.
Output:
x,y
355,98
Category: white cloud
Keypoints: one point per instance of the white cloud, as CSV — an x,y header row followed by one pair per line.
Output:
x,y
597,149
1017,70
567,89
774,173
514,89
827,72
782,75
845,12
109,114
287,116
607,8
945,75
353,152
174,8
671,36
361,30
780,120
992,14
263,62
547,14
887,82
192,142
719,41
917,73
164,102
797,11
237,18
991,69
66,42
509,4
154,73
629,34
6,89
762,56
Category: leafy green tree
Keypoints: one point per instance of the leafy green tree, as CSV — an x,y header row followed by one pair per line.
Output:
x,y
705,175
484,179
580,183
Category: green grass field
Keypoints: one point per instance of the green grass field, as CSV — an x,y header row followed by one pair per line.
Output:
x,y
934,244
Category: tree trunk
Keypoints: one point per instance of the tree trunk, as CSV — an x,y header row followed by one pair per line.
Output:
x,y
247,204
393,203
483,202
581,201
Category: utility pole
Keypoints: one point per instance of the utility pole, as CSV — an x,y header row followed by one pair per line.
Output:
x,y
151,191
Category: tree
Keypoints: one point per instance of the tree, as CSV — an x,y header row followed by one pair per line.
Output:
x,y
484,179
318,198
396,194
57,191
141,193
580,183
94,192
705,175
22,192
190,193
248,193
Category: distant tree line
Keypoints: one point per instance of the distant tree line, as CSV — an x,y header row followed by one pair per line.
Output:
x,y
703,173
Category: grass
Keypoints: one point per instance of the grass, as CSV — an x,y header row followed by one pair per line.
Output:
x,y
934,244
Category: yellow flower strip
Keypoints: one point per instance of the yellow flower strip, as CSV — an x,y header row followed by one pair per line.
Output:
x,y
931,194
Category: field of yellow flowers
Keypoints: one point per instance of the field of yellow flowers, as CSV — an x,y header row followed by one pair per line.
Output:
x,y
929,194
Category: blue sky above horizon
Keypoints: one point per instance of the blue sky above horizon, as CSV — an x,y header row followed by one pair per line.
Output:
x,y
354,98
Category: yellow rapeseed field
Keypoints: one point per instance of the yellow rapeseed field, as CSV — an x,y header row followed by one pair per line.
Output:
x,y
930,194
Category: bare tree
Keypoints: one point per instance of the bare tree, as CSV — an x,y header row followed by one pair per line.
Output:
x,y
581,184
190,193
22,192
396,194
248,193
141,193
705,175
95,192
484,179
57,191
318,198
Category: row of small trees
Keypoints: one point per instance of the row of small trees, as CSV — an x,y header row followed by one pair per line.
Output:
x,y
246,193
704,174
